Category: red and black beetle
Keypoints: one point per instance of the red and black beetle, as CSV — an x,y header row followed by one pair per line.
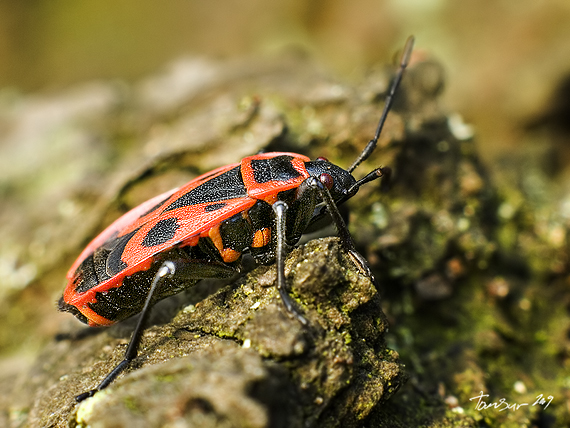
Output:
x,y
261,205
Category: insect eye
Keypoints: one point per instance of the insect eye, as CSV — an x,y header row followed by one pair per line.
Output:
x,y
327,180
322,159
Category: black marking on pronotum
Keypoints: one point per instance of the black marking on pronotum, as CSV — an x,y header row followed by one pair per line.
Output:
x,y
214,207
225,186
276,169
162,232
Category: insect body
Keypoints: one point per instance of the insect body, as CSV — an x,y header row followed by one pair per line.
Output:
x,y
205,226
261,205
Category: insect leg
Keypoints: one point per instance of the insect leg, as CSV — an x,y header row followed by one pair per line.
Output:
x,y
342,229
183,267
280,210
166,270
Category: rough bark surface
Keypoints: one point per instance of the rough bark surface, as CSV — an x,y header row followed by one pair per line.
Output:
x,y
237,358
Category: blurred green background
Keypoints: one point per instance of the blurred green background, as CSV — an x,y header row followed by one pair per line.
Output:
x,y
503,59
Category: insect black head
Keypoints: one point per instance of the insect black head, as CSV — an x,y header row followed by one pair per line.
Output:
x,y
334,178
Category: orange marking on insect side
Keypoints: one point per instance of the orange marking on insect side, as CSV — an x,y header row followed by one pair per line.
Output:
x,y
261,237
230,255
271,199
214,234
191,241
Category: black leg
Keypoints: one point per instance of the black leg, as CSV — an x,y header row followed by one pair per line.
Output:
x,y
280,210
167,269
343,232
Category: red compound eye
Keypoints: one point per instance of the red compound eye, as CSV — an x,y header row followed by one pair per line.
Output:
x,y
320,158
327,180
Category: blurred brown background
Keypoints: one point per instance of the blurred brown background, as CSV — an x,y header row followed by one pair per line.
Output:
x,y
503,59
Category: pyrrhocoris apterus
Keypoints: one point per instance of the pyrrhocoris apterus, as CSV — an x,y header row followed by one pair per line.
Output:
x,y
261,205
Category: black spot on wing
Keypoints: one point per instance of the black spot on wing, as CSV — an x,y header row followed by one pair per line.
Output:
x,y
214,207
162,232
275,169
228,185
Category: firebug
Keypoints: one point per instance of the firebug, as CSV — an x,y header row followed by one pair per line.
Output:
x,y
261,205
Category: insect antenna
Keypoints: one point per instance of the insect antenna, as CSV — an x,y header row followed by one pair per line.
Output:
x,y
389,99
